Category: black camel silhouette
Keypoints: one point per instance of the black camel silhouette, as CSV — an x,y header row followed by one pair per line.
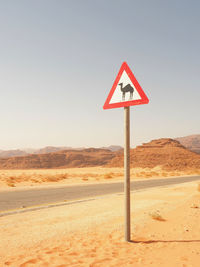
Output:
x,y
125,89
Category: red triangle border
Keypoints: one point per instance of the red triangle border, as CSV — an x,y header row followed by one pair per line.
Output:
x,y
144,99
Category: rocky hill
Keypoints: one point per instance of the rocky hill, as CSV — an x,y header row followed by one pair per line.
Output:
x,y
165,152
192,142
168,153
61,159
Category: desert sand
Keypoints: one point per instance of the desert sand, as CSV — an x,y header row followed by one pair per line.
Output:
x,y
69,176
165,232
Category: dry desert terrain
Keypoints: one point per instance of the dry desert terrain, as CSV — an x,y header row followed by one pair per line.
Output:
x,y
165,232
37,177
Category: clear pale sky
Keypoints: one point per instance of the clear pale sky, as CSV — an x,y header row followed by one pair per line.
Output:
x,y
59,59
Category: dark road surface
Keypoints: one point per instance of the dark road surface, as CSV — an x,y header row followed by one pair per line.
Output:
x,y
26,198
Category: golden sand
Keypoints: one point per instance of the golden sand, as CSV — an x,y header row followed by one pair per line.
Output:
x,y
37,177
91,233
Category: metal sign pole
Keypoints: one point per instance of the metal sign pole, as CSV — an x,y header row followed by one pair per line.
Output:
x,y
127,226
124,83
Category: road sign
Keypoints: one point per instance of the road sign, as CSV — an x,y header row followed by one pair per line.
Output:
x,y
126,91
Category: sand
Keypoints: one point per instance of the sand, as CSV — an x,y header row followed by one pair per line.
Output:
x,y
70,176
90,233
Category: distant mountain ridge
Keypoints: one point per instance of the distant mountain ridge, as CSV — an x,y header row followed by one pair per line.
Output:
x,y
113,148
191,142
50,149
45,150
12,153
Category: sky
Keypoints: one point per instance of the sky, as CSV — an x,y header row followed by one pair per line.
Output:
x,y
59,59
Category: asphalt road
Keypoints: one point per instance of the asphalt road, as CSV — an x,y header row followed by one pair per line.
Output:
x,y
27,198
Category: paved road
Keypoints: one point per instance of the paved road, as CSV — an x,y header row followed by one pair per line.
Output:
x,y
27,198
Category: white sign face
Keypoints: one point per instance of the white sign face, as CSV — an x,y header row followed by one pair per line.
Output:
x,y
125,90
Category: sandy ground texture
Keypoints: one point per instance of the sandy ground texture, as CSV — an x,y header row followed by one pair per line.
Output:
x,y
165,232
37,177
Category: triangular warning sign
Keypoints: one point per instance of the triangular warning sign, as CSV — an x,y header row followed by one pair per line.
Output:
x,y
125,91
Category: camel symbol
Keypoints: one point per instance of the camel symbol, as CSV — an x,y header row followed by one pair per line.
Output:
x,y
125,89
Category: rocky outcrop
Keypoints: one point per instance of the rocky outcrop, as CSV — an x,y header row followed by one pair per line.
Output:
x,y
165,152
61,159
